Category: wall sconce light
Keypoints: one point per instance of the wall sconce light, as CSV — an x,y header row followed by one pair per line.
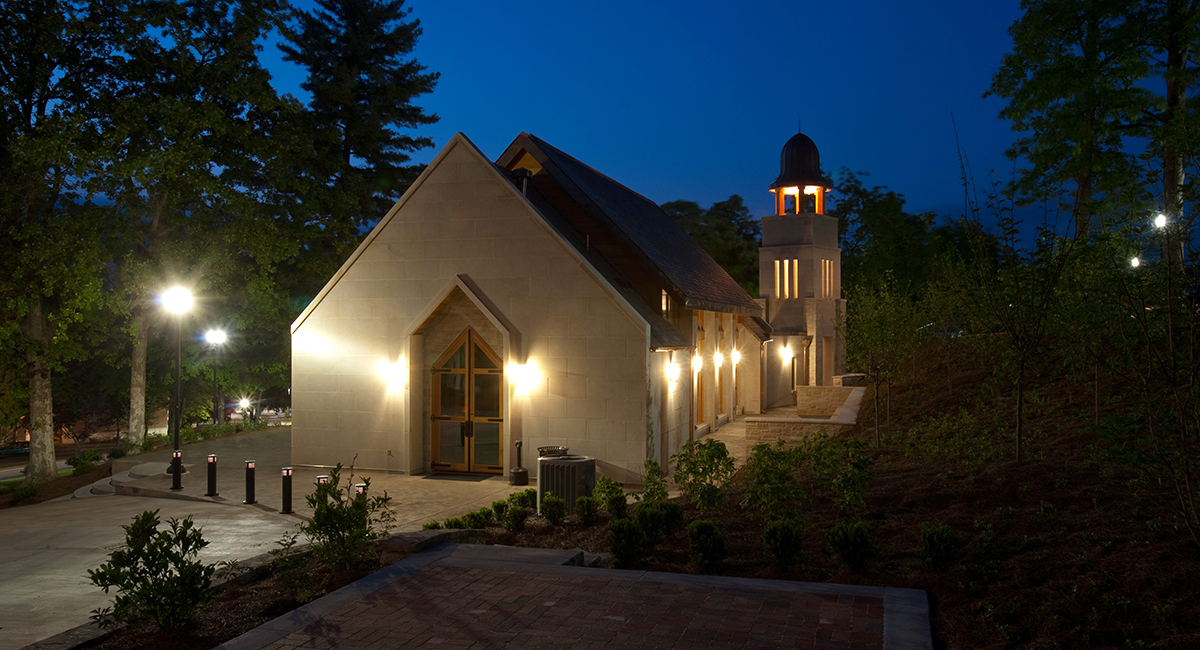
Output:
x,y
697,363
672,371
735,356
392,373
786,353
524,377
718,360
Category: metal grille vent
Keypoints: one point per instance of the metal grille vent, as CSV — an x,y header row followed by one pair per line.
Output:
x,y
567,477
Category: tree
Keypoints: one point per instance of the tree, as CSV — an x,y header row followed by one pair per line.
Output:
x,y
727,232
54,59
362,92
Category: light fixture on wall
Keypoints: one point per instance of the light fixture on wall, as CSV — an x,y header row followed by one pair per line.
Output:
x,y
392,373
524,377
735,357
786,353
718,360
697,363
672,371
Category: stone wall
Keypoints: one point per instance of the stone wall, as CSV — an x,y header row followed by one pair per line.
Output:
x,y
813,401
789,430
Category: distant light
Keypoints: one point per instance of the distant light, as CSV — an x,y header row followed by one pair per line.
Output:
x,y
215,337
244,403
1160,221
718,359
177,300
1135,262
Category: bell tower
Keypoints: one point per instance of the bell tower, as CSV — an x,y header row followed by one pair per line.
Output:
x,y
800,269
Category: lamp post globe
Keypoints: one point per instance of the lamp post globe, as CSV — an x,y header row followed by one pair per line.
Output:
x,y
216,338
178,301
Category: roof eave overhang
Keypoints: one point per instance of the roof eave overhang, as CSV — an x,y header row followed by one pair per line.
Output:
x,y
708,305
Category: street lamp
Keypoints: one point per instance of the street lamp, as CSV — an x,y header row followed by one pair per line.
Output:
x,y
216,338
178,301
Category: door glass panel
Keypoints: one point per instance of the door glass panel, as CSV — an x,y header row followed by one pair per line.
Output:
x,y
453,389
451,446
482,360
487,395
487,443
458,359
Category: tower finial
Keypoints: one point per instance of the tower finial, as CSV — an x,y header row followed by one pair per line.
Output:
x,y
798,123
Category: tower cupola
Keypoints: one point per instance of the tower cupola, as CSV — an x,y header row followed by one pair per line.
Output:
x,y
800,177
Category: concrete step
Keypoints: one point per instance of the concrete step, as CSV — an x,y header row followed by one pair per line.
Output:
x,y
519,554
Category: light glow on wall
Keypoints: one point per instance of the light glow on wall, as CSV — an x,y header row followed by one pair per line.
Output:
x,y
735,357
718,359
786,353
524,377
697,363
304,341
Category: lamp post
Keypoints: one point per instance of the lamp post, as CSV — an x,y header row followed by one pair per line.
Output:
x,y
178,301
216,338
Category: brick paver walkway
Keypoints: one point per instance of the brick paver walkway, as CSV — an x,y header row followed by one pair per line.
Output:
x,y
451,607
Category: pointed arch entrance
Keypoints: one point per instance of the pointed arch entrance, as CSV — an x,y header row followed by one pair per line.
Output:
x,y
468,407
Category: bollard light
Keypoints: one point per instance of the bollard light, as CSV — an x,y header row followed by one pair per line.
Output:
x,y
360,488
322,479
212,476
249,482
287,490
177,470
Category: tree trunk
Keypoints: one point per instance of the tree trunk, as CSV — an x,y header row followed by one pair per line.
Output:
x,y
137,377
42,464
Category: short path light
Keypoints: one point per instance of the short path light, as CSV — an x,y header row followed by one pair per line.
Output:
x,y
212,476
287,490
176,470
322,479
360,488
250,482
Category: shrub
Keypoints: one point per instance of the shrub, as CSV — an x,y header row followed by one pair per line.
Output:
x,y
656,519
852,543
610,495
478,518
432,525
115,453
498,508
84,462
156,574
554,509
939,545
706,543
841,465
585,509
345,525
525,498
702,469
654,483
626,541
771,485
514,518
455,523
22,492
782,539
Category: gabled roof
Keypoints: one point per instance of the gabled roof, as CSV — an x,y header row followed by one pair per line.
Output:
x,y
638,240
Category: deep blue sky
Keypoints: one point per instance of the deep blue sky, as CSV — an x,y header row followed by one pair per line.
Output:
x,y
694,100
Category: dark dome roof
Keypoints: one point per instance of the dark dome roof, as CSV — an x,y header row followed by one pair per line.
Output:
x,y
800,164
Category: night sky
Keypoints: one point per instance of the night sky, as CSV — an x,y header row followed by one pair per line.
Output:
x,y
694,100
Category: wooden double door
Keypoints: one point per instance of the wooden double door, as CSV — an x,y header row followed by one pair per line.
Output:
x,y
468,407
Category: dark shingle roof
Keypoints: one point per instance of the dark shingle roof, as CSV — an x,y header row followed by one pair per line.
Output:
x,y
639,231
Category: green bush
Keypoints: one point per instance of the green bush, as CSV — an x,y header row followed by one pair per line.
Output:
x,y
939,545
702,468
852,543
654,483
345,525
657,519
585,509
115,453
770,482
706,543
554,509
480,518
626,541
455,523
498,508
782,539
156,574
525,498
85,461
431,525
514,518
22,492
610,495
841,466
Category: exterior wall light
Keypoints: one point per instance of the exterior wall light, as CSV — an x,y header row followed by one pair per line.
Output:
x,y
718,360
524,377
672,371
786,353
392,373
735,357
697,363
